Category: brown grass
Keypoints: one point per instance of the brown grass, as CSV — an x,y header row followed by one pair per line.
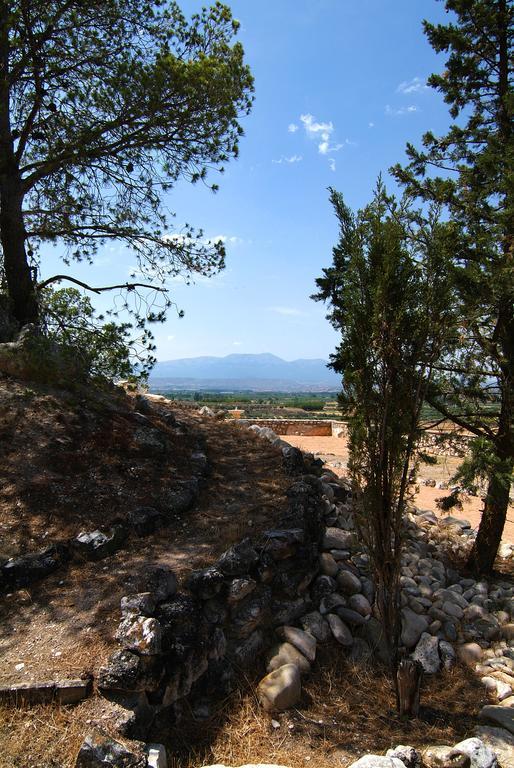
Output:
x,y
346,711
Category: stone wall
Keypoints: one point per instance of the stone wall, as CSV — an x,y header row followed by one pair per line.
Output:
x,y
307,427
177,644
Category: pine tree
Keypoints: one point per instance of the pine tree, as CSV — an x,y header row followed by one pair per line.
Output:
x,y
470,171
387,299
104,106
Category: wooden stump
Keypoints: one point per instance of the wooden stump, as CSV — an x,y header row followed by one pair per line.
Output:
x,y
409,676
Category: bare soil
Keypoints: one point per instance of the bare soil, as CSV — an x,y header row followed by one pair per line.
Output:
x,y
335,449
63,626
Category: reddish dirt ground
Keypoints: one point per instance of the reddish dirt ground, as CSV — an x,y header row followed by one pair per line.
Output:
x,y
336,449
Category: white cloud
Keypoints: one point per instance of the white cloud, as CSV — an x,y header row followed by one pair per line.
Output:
x,y
170,338
288,311
290,160
332,164
292,127
416,85
393,112
237,343
321,132
371,125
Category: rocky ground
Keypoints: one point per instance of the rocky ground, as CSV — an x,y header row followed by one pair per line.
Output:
x,y
324,698
432,485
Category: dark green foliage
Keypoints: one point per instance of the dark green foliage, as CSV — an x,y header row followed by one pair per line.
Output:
x,y
71,322
104,106
388,300
470,171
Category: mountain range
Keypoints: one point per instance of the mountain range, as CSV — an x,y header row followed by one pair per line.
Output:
x,y
263,372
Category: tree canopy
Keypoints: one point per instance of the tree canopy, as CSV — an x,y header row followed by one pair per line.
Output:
x,y
470,171
104,106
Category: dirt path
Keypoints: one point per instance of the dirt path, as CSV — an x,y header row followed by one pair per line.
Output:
x,y
64,626
335,449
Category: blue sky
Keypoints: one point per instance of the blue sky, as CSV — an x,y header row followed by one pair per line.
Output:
x,y
339,90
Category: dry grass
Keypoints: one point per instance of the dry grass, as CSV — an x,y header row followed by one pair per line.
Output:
x,y
346,711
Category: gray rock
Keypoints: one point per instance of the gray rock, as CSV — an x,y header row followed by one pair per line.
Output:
x,y
138,604
251,612
500,741
137,633
453,610
427,653
349,616
158,580
101,751
334,538
323,585
413,627
377,761
480,755
348,583
301,640
315,624
447,654
330,602
502,716
205,583
95,545
340,631
360,604
239,589
280,689
409,756
181,497
328,565
144,520
285,653
239,559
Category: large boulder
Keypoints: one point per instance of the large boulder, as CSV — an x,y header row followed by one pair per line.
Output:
x,y
281,689
285,653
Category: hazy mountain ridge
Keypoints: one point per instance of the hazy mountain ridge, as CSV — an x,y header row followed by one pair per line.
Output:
x,y
245,371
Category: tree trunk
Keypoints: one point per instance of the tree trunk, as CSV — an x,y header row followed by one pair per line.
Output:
x,y
20,283
487,542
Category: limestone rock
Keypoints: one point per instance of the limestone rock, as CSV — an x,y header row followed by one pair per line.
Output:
x,y
470,653
500,741
285,653
100,751
427,653
409,756
502,716
301,640
377,761
156,756
138,604
444,757
280,689
137,633
480,755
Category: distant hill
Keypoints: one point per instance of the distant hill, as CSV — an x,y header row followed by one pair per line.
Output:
x,y
264,372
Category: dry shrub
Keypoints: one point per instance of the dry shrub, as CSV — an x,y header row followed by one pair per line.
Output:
x,y
346,711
